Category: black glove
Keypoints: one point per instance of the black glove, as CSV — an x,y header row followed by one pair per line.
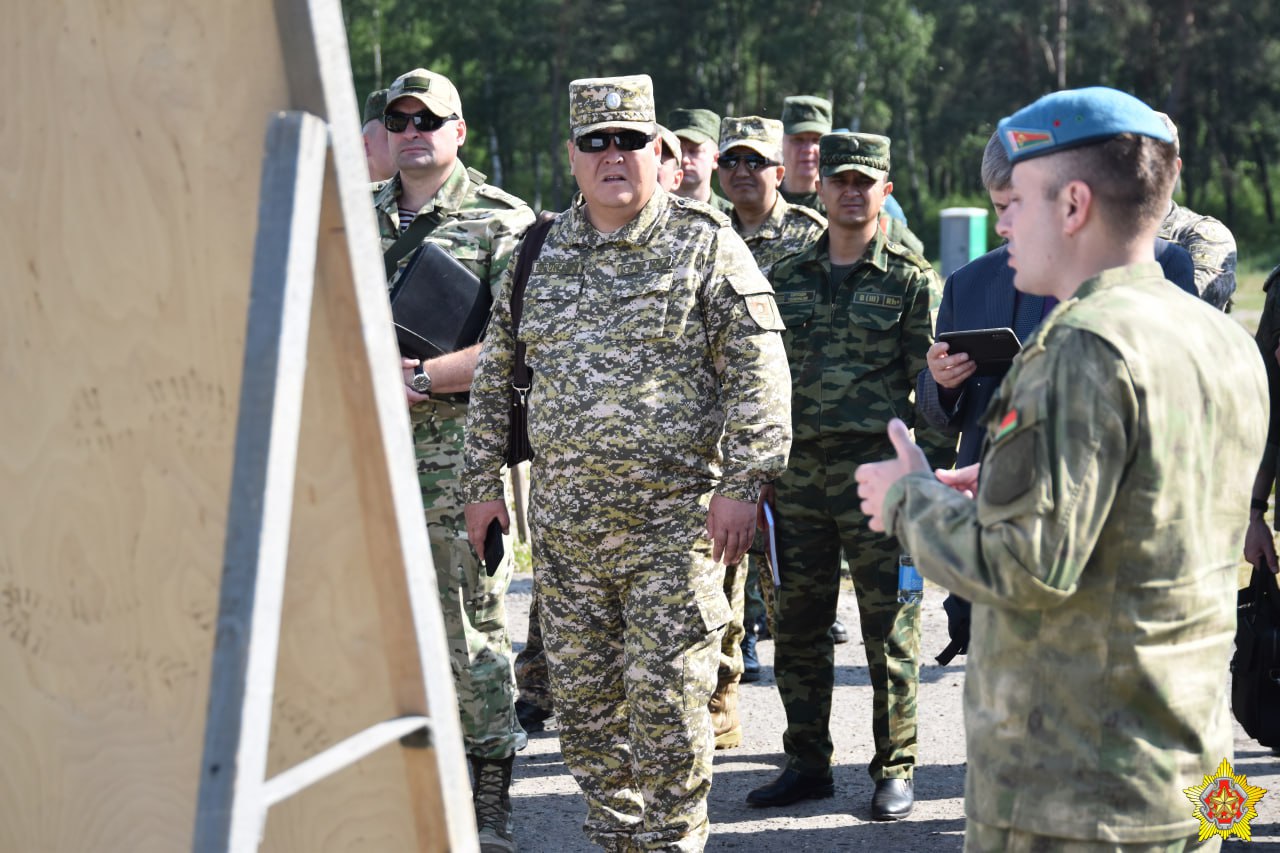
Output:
x,y
957,628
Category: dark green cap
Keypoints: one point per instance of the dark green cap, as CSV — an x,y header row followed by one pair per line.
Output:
x,y
694,125
374,106
862,152
806,114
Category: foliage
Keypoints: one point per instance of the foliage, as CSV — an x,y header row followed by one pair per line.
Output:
x,y
935,75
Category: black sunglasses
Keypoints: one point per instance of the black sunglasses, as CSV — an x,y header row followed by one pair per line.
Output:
x,y
423,121
626,140
754,162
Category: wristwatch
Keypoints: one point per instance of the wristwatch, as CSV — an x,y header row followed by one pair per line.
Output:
x,y
421,381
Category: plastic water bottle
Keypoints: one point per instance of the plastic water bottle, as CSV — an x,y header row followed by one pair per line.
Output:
x,y
910,584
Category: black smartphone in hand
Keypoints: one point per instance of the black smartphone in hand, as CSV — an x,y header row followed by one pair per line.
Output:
x,y
493,549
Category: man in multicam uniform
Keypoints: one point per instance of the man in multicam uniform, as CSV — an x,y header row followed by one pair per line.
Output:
x,y
859,314
479,225
1211,244
697,130
805,118
660,403
1100,549
750,169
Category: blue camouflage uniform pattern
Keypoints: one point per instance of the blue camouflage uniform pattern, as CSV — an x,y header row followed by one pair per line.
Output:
x,y
479,226
659,379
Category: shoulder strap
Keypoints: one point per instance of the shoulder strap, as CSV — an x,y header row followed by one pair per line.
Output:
x,y
411,239
529,251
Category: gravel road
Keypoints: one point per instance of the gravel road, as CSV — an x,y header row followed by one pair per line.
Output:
x,y
549,809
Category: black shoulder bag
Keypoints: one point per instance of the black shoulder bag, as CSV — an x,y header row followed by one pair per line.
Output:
x,y
518,447
1255,668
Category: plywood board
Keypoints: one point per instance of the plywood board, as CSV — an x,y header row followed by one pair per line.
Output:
x,y
134,142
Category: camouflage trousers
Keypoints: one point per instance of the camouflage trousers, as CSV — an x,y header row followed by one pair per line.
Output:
x,y
532,679
818,514
633,623
472,602
735,583
983,838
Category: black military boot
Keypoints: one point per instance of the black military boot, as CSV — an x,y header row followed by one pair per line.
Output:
x,y
750,661
491,797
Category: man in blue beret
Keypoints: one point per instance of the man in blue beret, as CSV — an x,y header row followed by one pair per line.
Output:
x,y
1099,543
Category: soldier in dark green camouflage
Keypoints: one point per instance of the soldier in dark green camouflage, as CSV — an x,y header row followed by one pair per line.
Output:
x,y
660,402
859,315
698,130
479,225
1098,537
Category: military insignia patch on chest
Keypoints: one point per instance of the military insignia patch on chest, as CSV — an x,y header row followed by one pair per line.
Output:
x,y
880,300
791,297
763,310
1007,424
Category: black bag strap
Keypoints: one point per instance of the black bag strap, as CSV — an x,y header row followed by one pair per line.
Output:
x,y
529,251
412,238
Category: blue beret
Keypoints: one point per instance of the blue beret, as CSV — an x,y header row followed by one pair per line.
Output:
x,y
1076,117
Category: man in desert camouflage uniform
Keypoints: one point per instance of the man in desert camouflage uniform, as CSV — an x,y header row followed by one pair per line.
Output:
x,y
479,225
670,166
805,118
1097,537
1211,244
750,170
659,405
697,130
859,314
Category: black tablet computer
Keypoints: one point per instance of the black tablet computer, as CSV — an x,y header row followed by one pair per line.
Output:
x,y
992,350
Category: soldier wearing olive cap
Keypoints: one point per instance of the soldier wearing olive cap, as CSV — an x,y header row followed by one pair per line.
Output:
x,y
859,314
658,406
479,225
376,151
697,130
1098,536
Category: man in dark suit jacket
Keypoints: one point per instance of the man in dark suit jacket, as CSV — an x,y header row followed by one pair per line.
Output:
x,y
980,295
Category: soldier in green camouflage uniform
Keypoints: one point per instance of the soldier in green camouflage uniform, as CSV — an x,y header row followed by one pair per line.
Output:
x,y
660,403
750,169
479,225
1100,551
1210,243
804,119
697,130
859,316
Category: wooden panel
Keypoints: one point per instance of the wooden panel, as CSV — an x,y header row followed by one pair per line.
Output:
x,y
133,154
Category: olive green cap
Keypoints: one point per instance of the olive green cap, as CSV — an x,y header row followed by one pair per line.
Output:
x,y
669,141
862,152
620,103
761,135
806,114
434,91
374,106
695,125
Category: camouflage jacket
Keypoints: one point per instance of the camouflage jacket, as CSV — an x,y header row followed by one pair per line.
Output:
x,y
790,228
855,348
658,372
479,226
1212,249
895,229
1100,556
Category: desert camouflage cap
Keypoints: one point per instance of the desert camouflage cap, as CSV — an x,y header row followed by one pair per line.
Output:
x,y
434,91
806,114
670,143
620,103
1173,129
862,152
695,125
761,135
1074,117
375,105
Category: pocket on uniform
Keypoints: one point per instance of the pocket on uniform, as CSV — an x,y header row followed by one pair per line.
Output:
x,y
550,309
875,336
638,307
1017,475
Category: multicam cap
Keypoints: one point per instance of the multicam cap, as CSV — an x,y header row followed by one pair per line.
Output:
x,y
375,105
670,142
695,125
761,135
806,114
434,91
620,103
1076,117
866,153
